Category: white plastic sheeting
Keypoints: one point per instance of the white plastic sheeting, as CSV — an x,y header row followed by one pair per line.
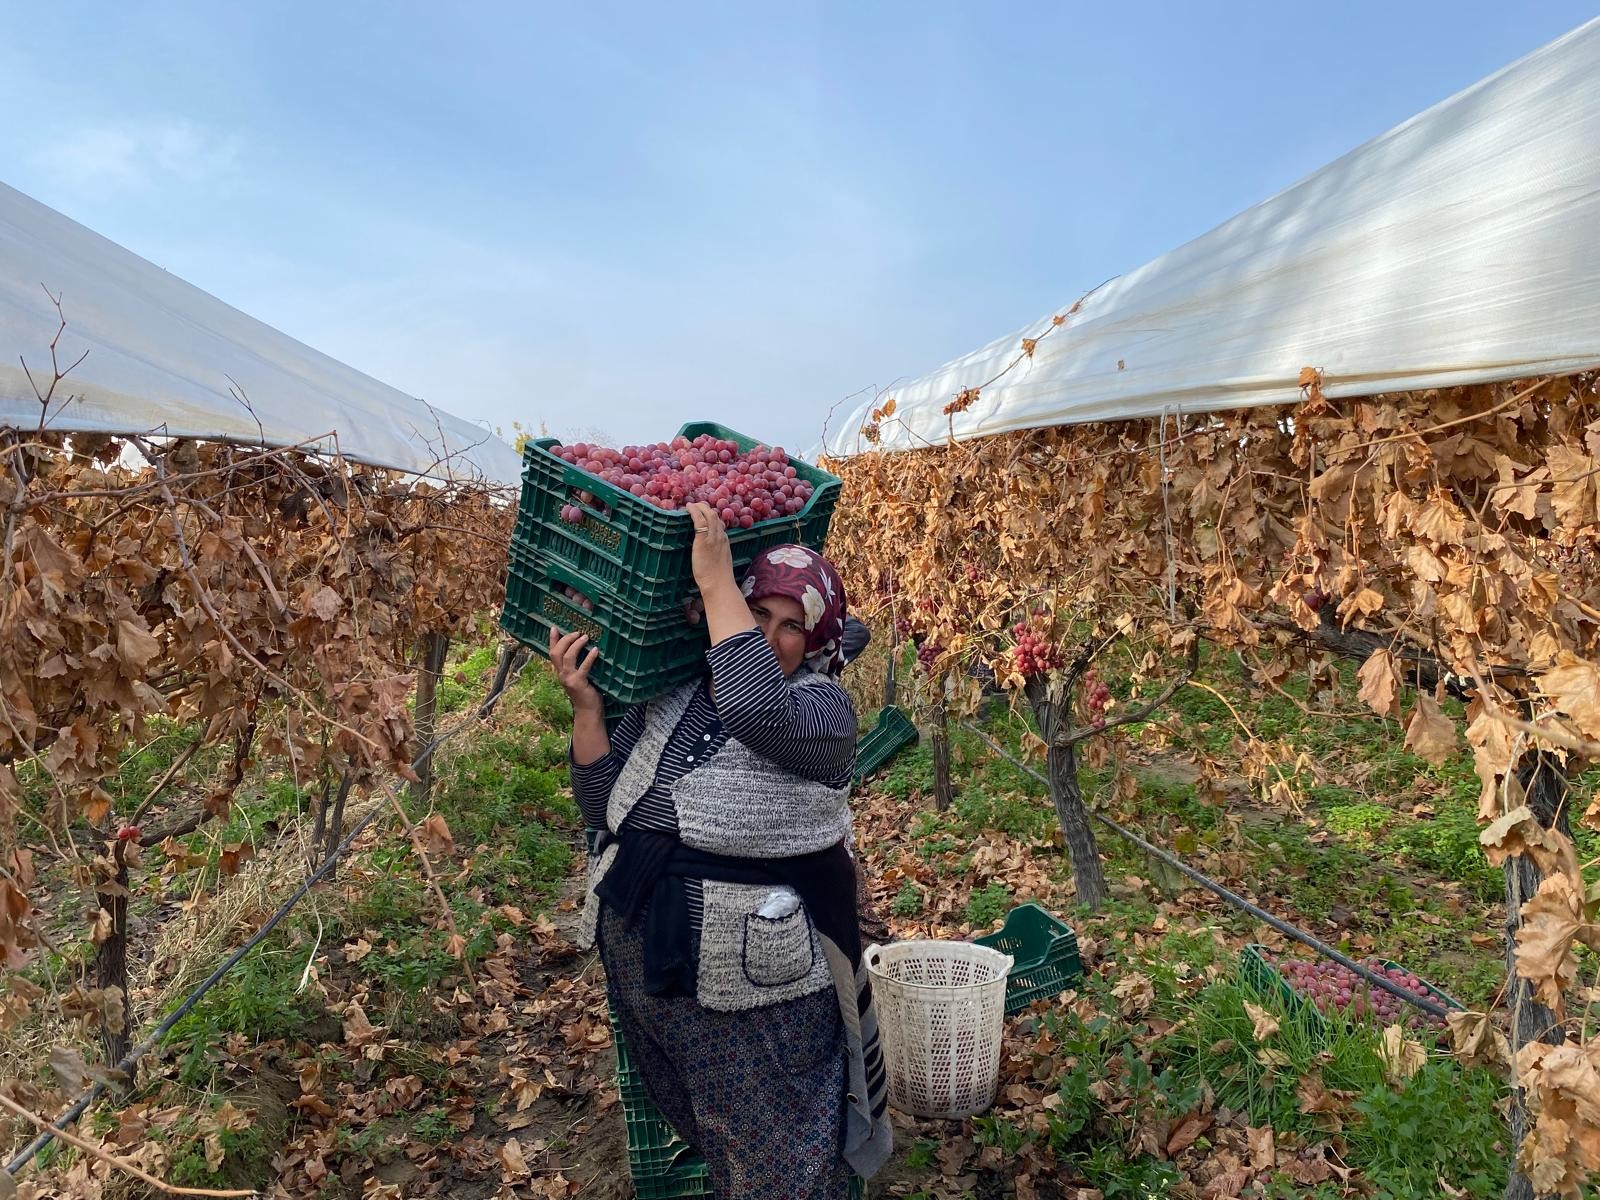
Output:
x,y
1460,247
165,356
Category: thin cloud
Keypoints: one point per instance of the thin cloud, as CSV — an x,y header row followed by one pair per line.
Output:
x,y
139,155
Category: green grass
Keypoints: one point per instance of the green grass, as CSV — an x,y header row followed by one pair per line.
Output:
x,y
910,773
1384,859
1361,821
1402,1137
907,902
258,999
988,905
246,1157
433,1127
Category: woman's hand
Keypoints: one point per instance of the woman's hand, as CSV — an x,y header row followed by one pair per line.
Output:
x,y
726,612
713,559
572,669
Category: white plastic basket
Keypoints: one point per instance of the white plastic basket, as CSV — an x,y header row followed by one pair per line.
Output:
x,y
941,1013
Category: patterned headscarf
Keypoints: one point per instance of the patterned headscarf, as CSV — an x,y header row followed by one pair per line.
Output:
x,y
809,579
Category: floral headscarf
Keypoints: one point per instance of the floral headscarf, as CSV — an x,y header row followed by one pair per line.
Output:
x,y
809,579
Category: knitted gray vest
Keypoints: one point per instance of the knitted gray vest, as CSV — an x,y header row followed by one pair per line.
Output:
x,y
736,803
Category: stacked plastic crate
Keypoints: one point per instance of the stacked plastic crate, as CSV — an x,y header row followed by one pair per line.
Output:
x,y
621,572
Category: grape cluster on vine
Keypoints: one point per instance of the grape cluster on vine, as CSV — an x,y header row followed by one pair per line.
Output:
x,y
1096,698
1034,653
928,653
1338,991
744,486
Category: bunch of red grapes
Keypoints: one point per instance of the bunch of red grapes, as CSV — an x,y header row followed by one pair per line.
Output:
x,y
577,597
1096,698
1034,653
1339,991
743,486
928,654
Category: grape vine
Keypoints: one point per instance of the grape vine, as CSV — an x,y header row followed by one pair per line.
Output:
x,y
1448,539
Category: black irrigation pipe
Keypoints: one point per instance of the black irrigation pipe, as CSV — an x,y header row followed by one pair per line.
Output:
x,y
131,1059
1233,898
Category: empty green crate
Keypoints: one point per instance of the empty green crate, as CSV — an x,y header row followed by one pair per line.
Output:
x,y
639,551
893,732
1044,952
663,1165
641,656
1257,970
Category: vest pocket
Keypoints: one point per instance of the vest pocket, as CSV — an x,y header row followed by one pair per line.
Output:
x,y
778,951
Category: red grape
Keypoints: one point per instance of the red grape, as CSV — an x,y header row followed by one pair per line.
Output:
x,y
1335,989
1033,653
745,487
577,598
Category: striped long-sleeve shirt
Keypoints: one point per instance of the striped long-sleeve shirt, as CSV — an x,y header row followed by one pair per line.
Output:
x,y
810,732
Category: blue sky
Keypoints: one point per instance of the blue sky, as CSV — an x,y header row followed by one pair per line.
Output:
x,y
617,219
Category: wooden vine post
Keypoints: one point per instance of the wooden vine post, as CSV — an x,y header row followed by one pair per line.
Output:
x,y
111,955
943,790
1066,792
432,650
1543,779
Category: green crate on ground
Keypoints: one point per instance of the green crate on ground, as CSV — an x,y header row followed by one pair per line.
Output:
x,y
893,732
641,656
638,551
1256,970
663,1165
1045,953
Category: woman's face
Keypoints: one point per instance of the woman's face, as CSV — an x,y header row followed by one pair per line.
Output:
x,y
783,623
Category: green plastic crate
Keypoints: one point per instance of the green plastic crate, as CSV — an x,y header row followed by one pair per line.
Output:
x,y
641,656
663,1165
1045,953
1256,969
889,736
634,549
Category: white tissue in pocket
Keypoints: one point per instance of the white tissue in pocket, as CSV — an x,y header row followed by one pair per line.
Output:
x,y
779,904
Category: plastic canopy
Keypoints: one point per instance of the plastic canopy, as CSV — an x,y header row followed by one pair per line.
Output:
x,y
1460,247
165,357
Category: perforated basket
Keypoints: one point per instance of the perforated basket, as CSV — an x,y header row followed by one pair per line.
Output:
x,y
941,1014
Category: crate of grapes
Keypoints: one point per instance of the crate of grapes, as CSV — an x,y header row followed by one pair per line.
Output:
x,y
1318,991
641,656
617,516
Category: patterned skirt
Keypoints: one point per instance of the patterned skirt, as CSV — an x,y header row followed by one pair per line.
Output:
x,y
759,1093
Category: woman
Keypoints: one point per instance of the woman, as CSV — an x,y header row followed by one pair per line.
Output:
x,y
721,892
